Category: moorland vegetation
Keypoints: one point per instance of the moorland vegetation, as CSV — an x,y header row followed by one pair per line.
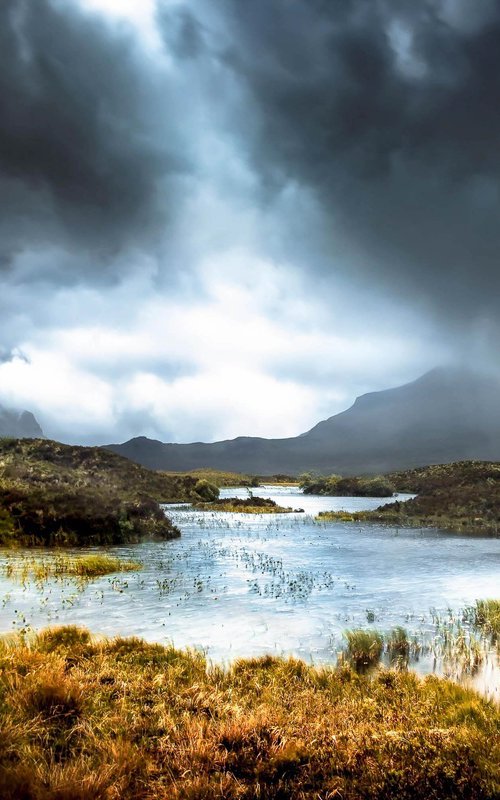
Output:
x,y
246,505
56,494
463,496
337,486
84,718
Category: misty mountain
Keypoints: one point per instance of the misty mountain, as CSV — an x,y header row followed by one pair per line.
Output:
x,y
19,424
445,415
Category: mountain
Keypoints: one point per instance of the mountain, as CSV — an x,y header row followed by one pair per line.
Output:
x,y
19,425
446,415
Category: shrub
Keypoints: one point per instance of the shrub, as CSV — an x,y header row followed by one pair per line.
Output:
x,y
207,491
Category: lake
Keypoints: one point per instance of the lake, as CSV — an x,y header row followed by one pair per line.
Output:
x,y
242,585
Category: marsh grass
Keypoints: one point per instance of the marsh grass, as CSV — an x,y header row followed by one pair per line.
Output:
x,y
121,718
364,647
398,647
457,649
485,615
462,497
84,567
337,486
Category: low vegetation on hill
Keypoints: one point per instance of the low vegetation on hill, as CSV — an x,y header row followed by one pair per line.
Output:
x,y
337,486
221,479
56,494
218,477
464,496
122,718
276,480
247,505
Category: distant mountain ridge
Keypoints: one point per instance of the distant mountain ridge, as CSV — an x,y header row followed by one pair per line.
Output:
x,y
446,415
19,424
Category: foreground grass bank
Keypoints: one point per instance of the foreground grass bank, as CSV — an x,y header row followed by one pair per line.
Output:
x,y
121,718
56,494
462,497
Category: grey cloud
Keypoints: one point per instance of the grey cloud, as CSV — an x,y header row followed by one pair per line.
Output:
x,y
85,143
7,355
183,34
389,112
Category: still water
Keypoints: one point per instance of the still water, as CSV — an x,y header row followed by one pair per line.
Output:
x,y
243,585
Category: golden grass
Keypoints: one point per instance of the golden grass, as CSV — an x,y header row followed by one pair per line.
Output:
x,y
23,568
120,718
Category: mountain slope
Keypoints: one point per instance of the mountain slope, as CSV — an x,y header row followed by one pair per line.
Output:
x,y
19,424
446,415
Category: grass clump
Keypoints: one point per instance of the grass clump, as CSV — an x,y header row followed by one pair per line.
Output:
x,y
398,647
84,567
485,615
122,718
364,647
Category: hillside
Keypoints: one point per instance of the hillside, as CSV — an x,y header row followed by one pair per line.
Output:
x,y
446,415
52,493
463,497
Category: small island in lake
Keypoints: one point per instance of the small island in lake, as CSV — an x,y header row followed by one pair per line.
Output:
x,y
246,505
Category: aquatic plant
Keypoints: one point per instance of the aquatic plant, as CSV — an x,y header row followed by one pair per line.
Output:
x,y
398,646
364,647
485,614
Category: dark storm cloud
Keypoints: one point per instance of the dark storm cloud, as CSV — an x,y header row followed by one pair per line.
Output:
x,y
85,143
390,111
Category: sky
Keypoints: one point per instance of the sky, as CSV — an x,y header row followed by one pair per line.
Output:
x,y
232,217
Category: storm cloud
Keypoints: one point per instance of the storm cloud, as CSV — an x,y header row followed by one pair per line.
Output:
x,y
389,112
238,222
85,155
